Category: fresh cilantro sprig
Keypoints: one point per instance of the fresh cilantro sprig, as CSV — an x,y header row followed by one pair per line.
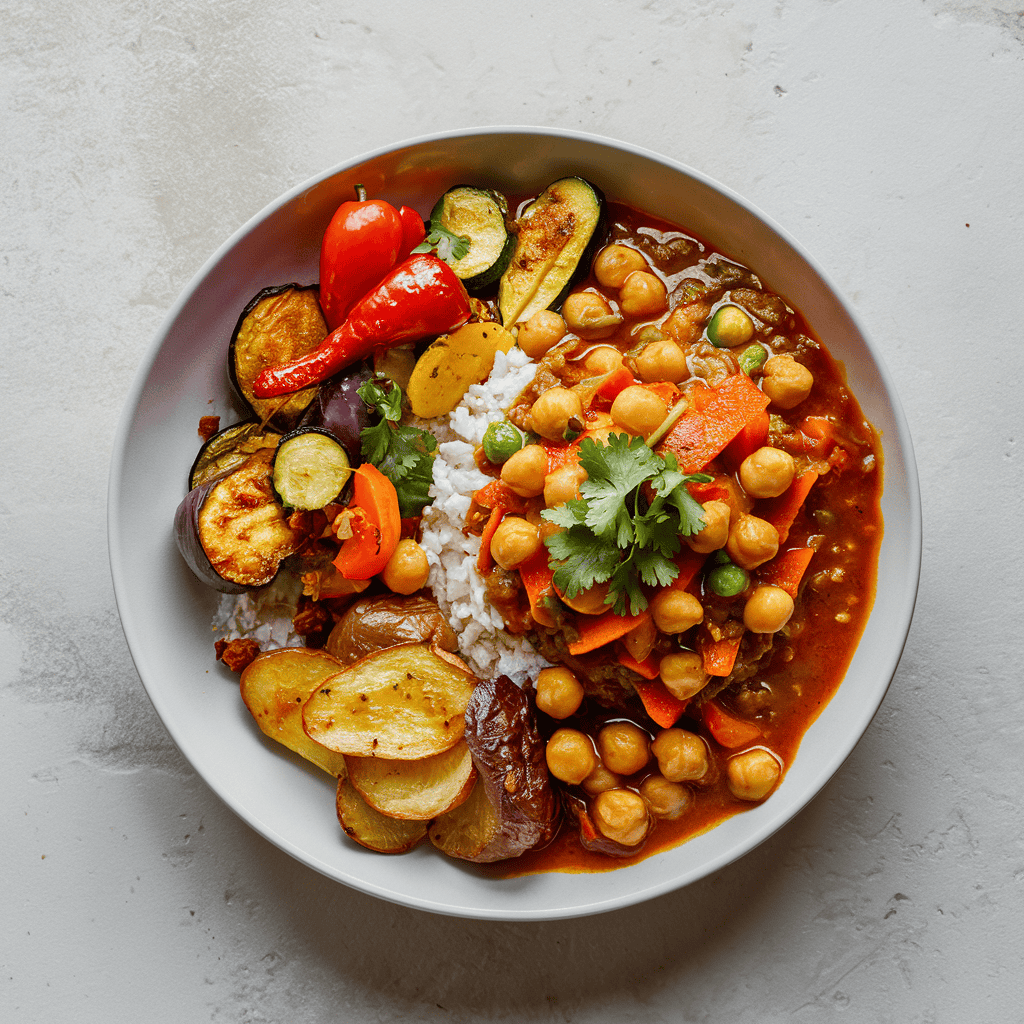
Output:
x,y
448,246
404,454
625,526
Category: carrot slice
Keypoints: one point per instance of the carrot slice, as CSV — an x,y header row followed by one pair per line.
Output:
x,y
689,563
648,668
618,380
786,569
719,655
728,730
376,525
560,454
598,630
782,511
752,435
719,414
536,576
498,494
660,705
484,561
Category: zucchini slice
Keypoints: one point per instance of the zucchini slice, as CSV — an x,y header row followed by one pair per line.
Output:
x,y
311,467
278,325
477,214
228,449
557,236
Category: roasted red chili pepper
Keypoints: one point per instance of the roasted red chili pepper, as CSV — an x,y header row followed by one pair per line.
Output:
x,y
413,230
364,240
421,296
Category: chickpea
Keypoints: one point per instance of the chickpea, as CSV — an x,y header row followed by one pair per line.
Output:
x,y
514,541
638,410
570,755
786,382
587,313
683,674
642,294
552,412
540,332
666,799
675,611
559,692
603,359
588,602
767,472
563,484
526,470
614,263
715,532
752,542
753,774
599,780
406,569
682,756
767,609
639,641
662,360
624,748
621,815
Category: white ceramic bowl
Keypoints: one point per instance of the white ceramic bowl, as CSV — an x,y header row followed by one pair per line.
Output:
x,y
166,613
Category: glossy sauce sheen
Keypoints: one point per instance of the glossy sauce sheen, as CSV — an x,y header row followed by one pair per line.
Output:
x,y
835,600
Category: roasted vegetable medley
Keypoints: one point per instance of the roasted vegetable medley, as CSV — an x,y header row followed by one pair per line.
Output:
x,y
679,511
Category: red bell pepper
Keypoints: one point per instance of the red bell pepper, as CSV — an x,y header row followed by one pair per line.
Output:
x,y
420,296
413,230
363,241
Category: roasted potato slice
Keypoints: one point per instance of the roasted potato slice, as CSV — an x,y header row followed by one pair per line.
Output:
x,y
414,790
372,829
402,703
470,829
275,685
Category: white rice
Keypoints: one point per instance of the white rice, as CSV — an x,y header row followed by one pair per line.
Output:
x,y
266,615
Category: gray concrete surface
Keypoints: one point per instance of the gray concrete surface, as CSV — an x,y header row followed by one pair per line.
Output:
x,y
887,136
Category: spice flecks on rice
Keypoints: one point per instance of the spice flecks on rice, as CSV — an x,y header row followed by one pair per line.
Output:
x,y
456,585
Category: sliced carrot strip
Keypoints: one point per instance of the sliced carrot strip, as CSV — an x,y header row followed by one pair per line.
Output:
x,y
536,577
728,730
648,668
618,380
498,494
752,435
689,563
376,525
484,561
719,655
560,454
598,630
663,708
782,511
786,569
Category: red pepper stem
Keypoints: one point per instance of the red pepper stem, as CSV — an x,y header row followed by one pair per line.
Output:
x,y
361,193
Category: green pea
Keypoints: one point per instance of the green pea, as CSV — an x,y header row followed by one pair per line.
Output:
x,y
501,441
752,358
728,580
729,327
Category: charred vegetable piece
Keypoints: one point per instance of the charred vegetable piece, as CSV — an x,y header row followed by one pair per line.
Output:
x,y
508,751
558,235
228,449
372,829
405,702
478,216
374,623
591,837
468,830
310,469
274,687
338,409
278,325
233,533
414,790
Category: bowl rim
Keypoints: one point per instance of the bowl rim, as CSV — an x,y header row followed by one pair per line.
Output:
x,y
867,710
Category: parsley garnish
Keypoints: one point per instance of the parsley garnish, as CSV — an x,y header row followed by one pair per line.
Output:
x,y
449,247
625,527
403,454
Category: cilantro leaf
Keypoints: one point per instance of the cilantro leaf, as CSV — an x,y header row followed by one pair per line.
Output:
x,y
448,246
578,562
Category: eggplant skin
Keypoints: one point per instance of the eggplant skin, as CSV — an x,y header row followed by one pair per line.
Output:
x,y
232,532
338,409
508,752
228,449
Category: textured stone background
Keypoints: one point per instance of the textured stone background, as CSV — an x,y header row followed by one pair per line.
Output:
x,y
138,135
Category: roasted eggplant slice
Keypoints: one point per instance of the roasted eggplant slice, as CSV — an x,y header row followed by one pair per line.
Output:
x,y
310,469
557,236
338,409
233,533
278,325
476,214
228,449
